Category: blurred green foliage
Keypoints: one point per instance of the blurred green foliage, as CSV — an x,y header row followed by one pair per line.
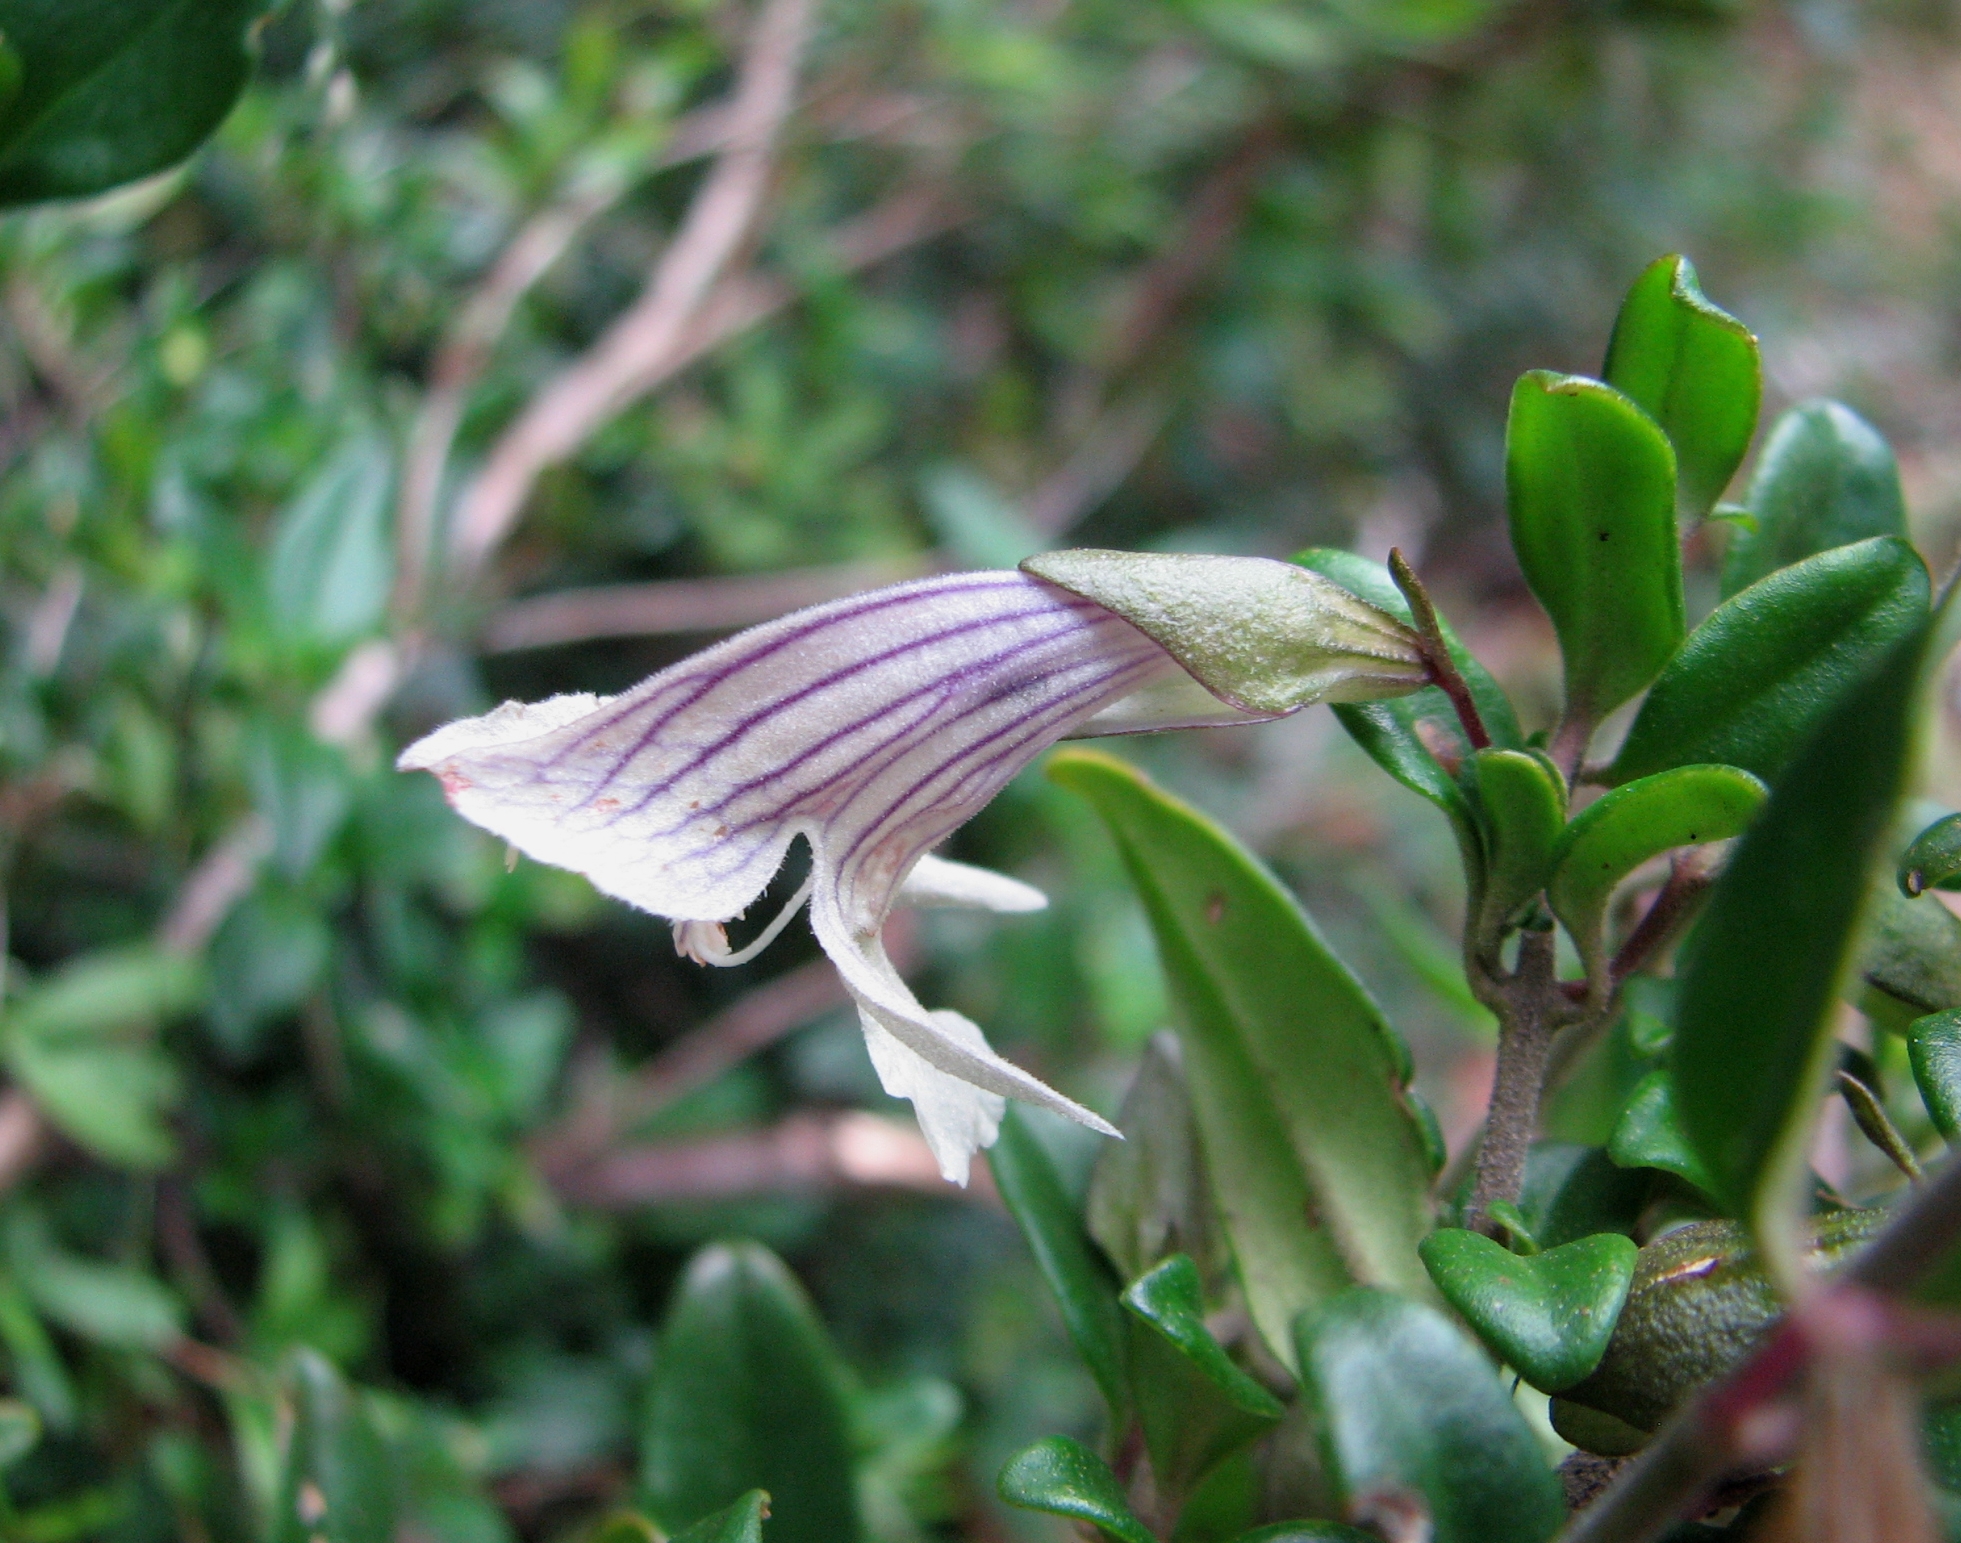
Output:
x,y
290,1236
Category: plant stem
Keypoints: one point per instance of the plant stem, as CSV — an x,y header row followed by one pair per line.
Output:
x,y
1436,651
1527,1007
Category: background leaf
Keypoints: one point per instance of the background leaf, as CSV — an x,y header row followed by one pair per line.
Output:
x,y
1065,1478
749,1395
1825,479
1295,1077
1406,1402
112,90
330,562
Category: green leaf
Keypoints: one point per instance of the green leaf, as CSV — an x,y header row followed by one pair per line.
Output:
x,y
1084,1288
1065,1478
330,562
265,960
626,1527
112,90
1407,1404
1623,829
1932,859
750,1395
1753,1038
740,1523
1755,680
1934,1051
1909,957
1148,1195
1590,487
1549,1315
1387,730
338,1482
108,1097
1573,1191
1649,1134
39,1373
1296,1079
1195,1405
1694,369
1307,1532
20,1430
1524,804
1263,636
107,1304
111,991
1825,479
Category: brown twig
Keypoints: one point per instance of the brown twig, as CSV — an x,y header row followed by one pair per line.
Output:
x,y
217,883
1524,1004
1436,651
803,1152
685,605
639,345
480,322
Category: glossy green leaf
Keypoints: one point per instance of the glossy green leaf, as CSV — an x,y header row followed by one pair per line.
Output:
x,y
1825,479
1548,1316
1084,1288
740,1523
750,1395
20,1430
1932,859
1406,1403
1388,730
1262,635
1195,1405
1909,957
1065,1478
1758,676
338,1482
331,561
112,90
1590,488
1523,800
1753,1038
1694,369
1148,1194
1650,1134
626,1527
1934,1051
1296,1079
1624,828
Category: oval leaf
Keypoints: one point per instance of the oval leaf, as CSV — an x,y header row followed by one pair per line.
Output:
x,y
1695,370
1934,1047
1195,1405
1649,1134
1933,859
1148,1195
1909,958
1407,1403
1547,1316
114,93
1524,804
1826,478
1065,1478
1590,488
339,1481
750,1396
1753,1038
1623,829
1758,676
1265,636
1084,1288
1296,1079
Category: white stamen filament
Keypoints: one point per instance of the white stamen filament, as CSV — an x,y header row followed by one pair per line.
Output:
x,y
708,942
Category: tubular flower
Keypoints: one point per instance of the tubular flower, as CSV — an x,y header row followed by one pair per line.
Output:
x,y
872,727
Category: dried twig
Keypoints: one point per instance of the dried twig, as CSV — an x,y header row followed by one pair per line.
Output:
x,y
466,348
217,883
685,605
803,1152
637,347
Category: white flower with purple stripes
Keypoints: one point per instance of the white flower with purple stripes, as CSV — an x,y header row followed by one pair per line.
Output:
x,y
872,727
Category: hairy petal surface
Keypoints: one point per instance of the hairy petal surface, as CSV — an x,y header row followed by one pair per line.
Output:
x,y
872,727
